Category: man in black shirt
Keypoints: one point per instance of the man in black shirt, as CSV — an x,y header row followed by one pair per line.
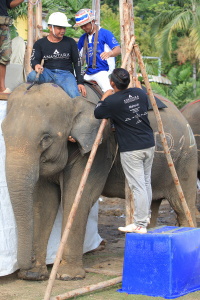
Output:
x,y
128,108
58,52
5,42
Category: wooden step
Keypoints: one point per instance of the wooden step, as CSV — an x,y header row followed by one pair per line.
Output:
x,y
4,96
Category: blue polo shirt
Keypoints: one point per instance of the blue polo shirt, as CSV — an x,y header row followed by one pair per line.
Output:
x,y
104,37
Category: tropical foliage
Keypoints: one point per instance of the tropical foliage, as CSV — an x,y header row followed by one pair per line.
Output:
x,y
183,21
181,91
176,32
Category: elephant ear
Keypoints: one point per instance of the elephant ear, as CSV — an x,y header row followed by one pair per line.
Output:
x,y
85,125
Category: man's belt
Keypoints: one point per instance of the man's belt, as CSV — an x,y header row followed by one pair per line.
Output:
x,y
5,20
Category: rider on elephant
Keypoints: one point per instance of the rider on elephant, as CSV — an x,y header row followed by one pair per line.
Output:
x,y
98,45
128,109
58,52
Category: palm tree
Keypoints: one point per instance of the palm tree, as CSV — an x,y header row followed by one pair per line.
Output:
x,y
183,20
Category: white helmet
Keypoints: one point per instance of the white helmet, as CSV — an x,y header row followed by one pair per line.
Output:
x,y
58,19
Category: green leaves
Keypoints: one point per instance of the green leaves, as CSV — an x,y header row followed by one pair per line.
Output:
x,y
185,20
69,7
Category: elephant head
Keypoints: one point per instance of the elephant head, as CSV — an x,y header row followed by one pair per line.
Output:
x,y
36,131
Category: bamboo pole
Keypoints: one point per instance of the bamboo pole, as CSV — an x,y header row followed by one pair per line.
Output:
x,y
163,138
30,36
87,289
129,197
73,210
130,47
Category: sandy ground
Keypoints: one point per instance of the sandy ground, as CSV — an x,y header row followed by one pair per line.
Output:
x,y
111,216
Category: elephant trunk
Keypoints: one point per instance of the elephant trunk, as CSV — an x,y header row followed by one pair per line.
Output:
x,y
22,175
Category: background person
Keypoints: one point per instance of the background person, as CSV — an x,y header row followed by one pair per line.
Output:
x,y
61,57
5,41
98,45
128,108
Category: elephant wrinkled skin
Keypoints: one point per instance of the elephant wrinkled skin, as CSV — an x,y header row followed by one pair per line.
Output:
x,y
41,165
192,115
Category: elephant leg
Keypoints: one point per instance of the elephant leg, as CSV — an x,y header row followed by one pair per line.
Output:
x,y
46,204
190,196
154,212
71,267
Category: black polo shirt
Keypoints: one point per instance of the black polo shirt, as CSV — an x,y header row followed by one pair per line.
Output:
x,y
129,111
4,5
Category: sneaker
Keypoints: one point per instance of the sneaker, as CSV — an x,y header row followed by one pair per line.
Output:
x,y
133,228
7,91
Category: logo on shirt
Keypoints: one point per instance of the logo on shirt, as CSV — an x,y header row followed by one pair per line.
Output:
x,y
131,99
56,52
114,41
99,104
57,56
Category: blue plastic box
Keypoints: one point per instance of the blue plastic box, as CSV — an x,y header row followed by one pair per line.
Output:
x,y
164,262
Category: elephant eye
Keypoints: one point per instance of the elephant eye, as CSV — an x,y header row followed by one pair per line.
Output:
x,y
46,137
46,141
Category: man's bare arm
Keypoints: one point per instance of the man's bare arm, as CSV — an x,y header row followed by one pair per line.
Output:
x,y
15,3
113,53
106,94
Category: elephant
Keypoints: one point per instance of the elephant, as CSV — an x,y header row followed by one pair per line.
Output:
x,y
191,113
43,169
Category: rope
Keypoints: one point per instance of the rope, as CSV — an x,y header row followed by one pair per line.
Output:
x,y
33,3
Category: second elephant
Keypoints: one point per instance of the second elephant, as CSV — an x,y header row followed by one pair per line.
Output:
x,y
191,112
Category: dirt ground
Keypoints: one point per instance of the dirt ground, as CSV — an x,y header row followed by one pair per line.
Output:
x,y
111,216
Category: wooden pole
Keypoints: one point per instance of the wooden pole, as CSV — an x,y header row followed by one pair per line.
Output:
x,y
39,20
130,48
88,288
73,210
34,25
129,197
97,13
133,57
30,36
163,138
121,11
127,34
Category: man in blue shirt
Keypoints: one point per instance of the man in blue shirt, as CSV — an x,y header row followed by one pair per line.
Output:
x,y
5,41
98,45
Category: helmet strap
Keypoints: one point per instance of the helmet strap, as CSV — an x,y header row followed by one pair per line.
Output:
x,y
92,27
53,31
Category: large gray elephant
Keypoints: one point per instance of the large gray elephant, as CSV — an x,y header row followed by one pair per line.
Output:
x,y
43,168
191,112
